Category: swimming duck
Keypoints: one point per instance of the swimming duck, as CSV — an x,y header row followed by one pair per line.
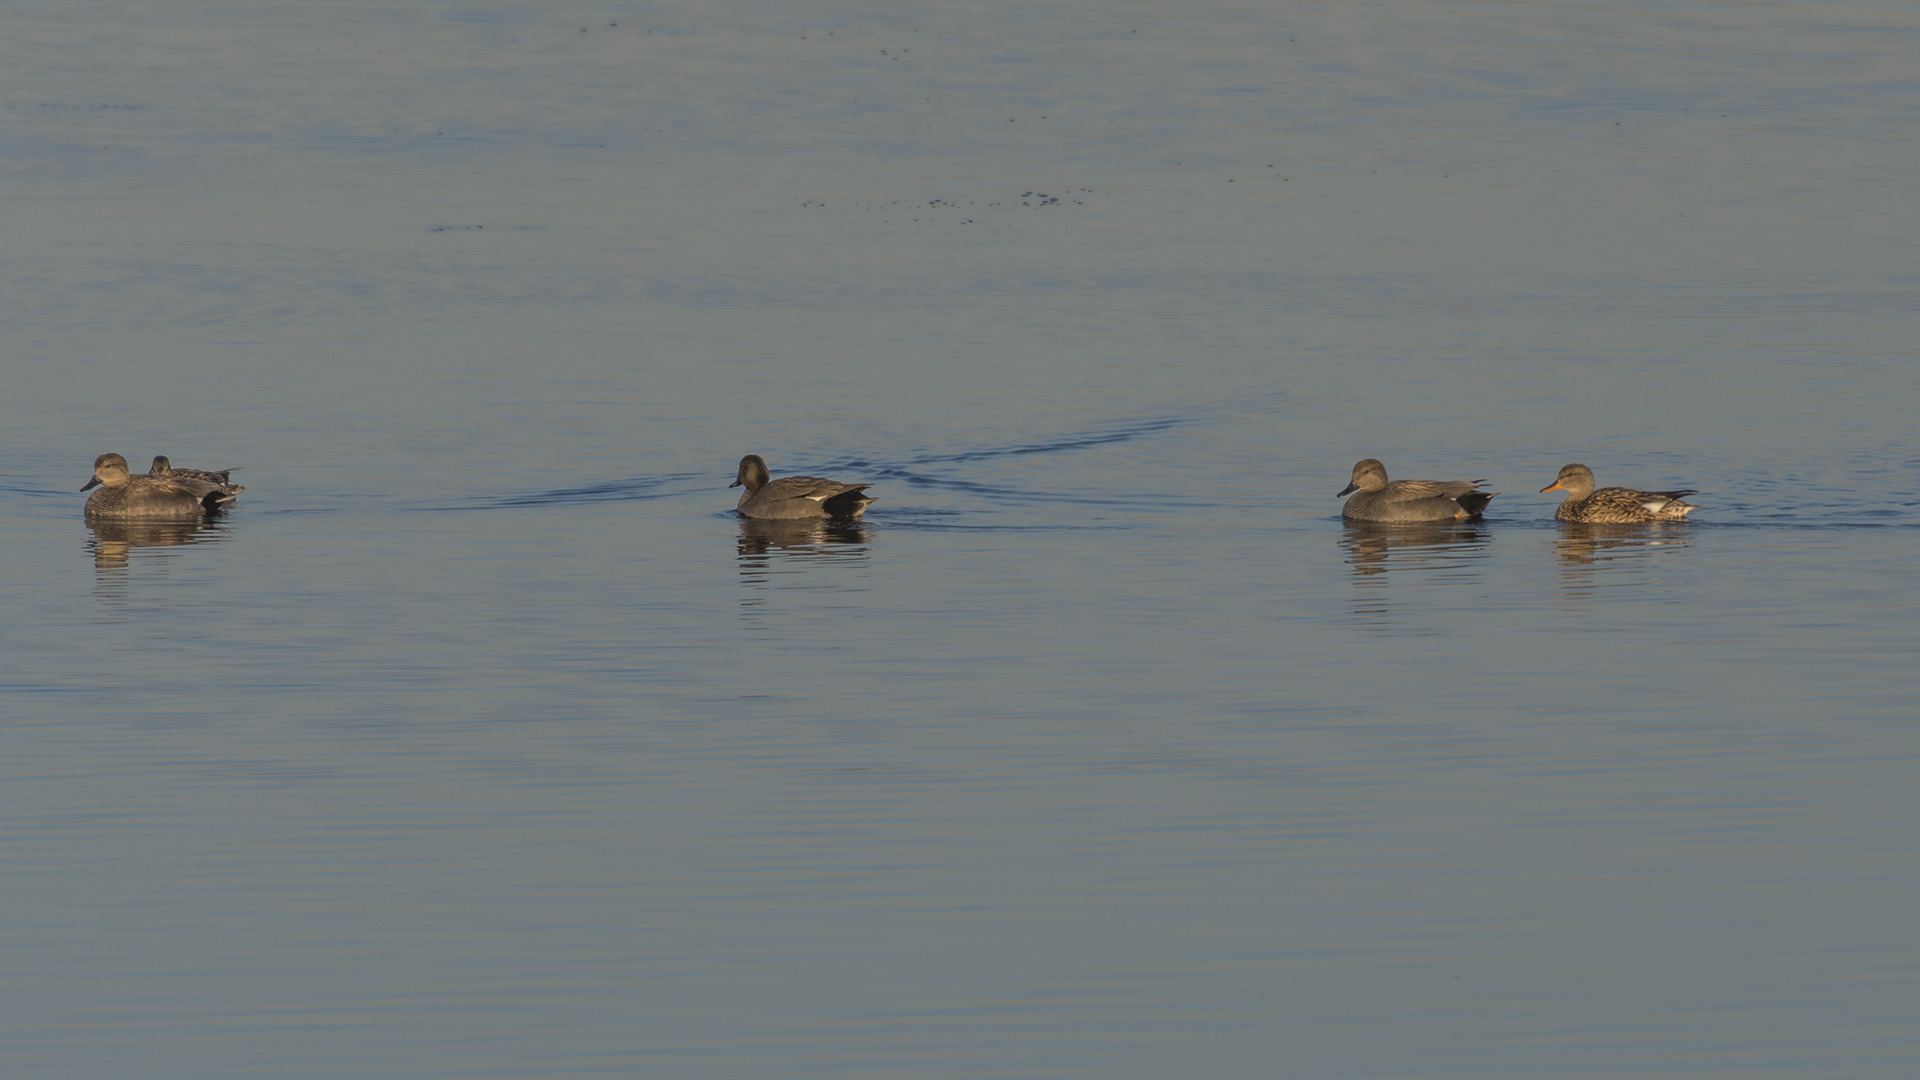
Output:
x,y
150,498
794,497
163,467
1614,505
1411,500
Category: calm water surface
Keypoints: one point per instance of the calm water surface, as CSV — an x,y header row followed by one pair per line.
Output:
x,y
482,740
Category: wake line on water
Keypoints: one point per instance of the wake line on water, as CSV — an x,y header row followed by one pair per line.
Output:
x,y
1057,446
634,489
1796,525
648,488
912,525
1030,496
907,473
1682,528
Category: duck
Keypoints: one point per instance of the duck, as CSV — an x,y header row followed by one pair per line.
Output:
x,y
1614,505
1410,500
162,467
796,497
123,496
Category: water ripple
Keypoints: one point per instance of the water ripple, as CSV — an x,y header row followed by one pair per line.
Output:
x,y
633,489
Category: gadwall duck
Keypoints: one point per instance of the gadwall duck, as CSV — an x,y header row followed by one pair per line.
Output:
x,y
1614,505
794,497
150,498
163,467
1411,500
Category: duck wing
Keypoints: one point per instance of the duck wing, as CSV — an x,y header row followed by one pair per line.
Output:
x,y
174,486
806,487
208,476
1656,501
1629,499
1433,489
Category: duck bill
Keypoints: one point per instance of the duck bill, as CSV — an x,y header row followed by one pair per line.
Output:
x,y
735,484
91,484
1555,486
1348,490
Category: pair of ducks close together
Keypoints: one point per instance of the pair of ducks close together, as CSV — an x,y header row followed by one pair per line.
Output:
x,y
1375,498
169,494
1378,499
163,494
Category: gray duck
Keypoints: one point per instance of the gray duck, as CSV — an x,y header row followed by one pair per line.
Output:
x,y
796,497
163,467
1411,500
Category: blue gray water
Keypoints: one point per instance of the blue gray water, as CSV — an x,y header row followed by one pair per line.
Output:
x,y
482,740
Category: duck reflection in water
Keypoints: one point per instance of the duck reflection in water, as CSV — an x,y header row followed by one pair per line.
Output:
x,y
1377,547
816,559
113,541
1419,603
764,543
1583,546
1626,556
